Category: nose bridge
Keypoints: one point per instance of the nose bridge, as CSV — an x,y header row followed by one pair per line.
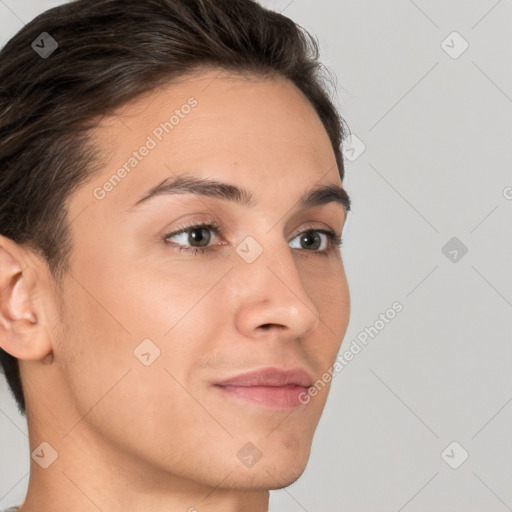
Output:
x,y
272,291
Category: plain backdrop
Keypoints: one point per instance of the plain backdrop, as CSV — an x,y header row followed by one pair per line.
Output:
x,y
420,418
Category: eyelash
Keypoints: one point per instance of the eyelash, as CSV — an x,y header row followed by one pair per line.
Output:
x,y
333,239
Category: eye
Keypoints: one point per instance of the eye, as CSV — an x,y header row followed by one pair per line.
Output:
x,y
194,238
197,238
318,240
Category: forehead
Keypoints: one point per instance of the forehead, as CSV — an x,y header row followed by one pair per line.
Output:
x,y
259,133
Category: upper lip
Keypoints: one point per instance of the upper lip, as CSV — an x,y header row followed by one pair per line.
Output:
x,y
270,376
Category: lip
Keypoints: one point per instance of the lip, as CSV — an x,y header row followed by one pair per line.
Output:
x,y
270,376
271,387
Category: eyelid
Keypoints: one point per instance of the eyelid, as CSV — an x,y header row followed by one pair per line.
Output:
x,y
313,226
334,240
218,228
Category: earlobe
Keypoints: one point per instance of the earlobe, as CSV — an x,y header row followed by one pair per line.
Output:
x,y
22,330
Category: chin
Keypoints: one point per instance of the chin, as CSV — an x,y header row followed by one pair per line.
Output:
x,y
275,473
271,480
287,478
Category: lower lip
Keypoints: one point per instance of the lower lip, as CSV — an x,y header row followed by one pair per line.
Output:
x,y
270,397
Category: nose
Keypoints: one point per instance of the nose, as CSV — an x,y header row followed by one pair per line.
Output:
x,y
271,296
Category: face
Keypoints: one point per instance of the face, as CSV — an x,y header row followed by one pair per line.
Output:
x,y
157,317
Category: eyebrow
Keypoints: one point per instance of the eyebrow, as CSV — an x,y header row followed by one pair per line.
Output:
x,y
189,184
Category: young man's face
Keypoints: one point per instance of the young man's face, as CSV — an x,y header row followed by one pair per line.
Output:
x,y
143,333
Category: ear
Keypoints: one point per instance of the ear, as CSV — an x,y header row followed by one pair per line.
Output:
x,y
23,332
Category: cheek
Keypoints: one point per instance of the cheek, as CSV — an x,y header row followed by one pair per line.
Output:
x,y
330,293
93,346
151,290
114,392
155,322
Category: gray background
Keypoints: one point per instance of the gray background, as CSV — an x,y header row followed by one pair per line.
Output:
x,y
436,125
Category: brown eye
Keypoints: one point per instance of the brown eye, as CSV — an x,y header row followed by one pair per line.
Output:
x,y
310,240
320,241
198,237
191,238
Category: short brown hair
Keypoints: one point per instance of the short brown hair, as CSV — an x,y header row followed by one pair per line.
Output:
x,y
110,52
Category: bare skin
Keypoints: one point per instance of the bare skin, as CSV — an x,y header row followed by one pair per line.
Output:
x,y
161,436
